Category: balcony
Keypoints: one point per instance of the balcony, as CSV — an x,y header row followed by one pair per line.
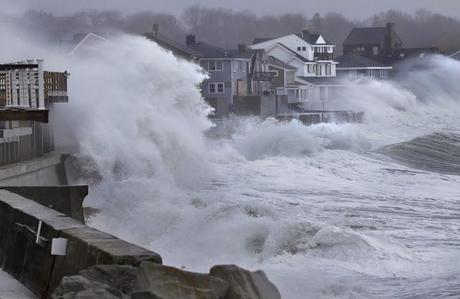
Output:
x,y
324,56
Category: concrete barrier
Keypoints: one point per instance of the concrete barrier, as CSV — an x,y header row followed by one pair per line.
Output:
x,y
48,170
27,257
65,199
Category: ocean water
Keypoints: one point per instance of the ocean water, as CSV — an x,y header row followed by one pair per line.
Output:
x,y
365,210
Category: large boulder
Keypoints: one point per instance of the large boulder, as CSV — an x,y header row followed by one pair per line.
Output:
x,y
162,282
101,281
245,284
154,281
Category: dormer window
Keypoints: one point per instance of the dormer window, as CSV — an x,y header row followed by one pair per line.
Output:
x,y
304,48
299,49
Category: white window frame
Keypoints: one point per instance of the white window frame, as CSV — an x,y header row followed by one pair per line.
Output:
x,y
275,73
216,63
216,87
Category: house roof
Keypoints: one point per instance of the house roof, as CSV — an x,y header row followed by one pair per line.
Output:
x,y
323,81
455,56
312,38
278,63
206,50
365,36
297,55
259,40
355,61
172,45
80,39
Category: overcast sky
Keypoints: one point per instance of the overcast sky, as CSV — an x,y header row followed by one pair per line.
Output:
x,y
349,8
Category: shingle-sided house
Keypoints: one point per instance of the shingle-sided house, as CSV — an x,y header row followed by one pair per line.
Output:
x,y
377,43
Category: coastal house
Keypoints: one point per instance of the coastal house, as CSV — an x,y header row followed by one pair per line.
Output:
x,y
240,74
27,94
312,56
376,43
378,53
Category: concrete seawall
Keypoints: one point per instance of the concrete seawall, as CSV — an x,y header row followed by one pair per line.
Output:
x,y
48,170
28,259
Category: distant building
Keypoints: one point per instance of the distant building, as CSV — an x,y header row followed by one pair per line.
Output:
x,y
27,94
377,52
376,43
312,56
232,73
353,67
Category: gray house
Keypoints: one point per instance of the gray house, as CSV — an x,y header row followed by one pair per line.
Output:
x,y
228,72
241,74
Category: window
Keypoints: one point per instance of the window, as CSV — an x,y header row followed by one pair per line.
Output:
x,y
299,48
215,65
310,68
328,70
375,51
275,73
304,48
216,87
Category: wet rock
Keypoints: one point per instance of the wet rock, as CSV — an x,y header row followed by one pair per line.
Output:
x,y
245,284
158,281
101,281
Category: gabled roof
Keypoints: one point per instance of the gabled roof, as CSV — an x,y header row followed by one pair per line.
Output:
x,y
172,45
296,55
355,61
85,39
206,50
365,36
312,38
455,56
259,40
278,63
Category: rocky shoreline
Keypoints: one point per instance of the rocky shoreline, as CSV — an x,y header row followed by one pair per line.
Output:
x,y
154,281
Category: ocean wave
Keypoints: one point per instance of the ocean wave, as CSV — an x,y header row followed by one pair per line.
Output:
x,y
292,139
437,152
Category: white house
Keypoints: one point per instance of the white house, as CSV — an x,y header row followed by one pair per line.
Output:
x,y
312,56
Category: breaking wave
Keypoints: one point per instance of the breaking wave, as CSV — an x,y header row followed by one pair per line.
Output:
x,y
438,152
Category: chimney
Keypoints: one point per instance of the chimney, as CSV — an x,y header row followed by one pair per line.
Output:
x,y
305,33
242,48
389,44
189,39
155,30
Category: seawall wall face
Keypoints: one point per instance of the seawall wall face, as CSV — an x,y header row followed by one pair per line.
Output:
x,y
48,170
65,199
28,258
